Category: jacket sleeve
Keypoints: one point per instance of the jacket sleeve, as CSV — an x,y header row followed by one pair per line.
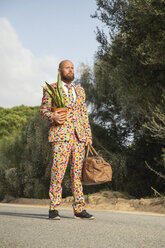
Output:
x,y
45,108
85,118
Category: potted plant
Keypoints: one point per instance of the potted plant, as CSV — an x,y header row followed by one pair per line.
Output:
x,y
58,99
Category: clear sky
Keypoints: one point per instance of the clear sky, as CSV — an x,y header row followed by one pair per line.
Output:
x,y
35,35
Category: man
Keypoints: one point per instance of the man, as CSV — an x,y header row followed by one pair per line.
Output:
x,y
69,133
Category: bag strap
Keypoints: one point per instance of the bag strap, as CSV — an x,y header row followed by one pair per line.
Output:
x,y
94,150
91,149
88,150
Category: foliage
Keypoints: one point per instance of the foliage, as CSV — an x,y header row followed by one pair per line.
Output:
x,y
12,119
156,127
156,121
25,161
125,96
127,86
134,55
56,95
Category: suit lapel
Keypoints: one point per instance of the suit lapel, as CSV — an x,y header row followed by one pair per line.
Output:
x,y
65,95
77,94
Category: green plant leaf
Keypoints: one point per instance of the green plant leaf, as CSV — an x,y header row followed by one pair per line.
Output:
x,y
56,94
60,89
50,88
52,97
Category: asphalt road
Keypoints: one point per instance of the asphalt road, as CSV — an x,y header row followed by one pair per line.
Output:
x,y
23,226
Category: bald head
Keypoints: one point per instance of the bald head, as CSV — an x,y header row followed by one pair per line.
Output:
x,y
63,62
66,70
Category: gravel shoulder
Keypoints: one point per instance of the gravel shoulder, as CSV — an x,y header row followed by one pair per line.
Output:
x,y
105,200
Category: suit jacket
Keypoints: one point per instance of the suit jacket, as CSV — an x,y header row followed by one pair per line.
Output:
x,y
76,120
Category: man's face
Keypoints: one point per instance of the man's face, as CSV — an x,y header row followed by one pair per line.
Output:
x,y
67,71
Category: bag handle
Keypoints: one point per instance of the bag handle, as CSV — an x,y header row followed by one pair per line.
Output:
x,y
91,149
94,150
88,150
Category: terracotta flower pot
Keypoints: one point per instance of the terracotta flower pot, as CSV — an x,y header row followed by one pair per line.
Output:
x,y
61,110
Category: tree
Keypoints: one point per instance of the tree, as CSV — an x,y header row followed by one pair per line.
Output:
x,y
26,160
133,54
128,78
12,119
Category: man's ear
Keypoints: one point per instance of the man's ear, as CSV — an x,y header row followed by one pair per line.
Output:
x,y
59,71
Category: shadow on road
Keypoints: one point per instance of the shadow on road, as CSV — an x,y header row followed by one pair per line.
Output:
x,y
35,216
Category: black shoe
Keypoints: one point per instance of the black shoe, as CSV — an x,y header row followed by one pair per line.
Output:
x,y
53,214
83,215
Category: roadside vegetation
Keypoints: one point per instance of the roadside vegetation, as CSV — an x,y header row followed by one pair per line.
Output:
x,y
126,97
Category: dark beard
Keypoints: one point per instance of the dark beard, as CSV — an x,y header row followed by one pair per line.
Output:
x,y
67,78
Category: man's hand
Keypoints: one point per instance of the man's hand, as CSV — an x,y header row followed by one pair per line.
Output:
x,y
59,117
89,141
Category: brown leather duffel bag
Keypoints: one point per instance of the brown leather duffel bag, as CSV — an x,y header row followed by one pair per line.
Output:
x,y
95,169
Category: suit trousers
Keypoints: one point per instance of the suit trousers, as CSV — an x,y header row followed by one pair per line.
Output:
x,y
72,150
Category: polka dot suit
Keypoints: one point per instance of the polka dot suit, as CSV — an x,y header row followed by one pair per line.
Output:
x,y
68,143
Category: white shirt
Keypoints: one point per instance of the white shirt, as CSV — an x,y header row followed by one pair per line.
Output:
x,y
66,90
